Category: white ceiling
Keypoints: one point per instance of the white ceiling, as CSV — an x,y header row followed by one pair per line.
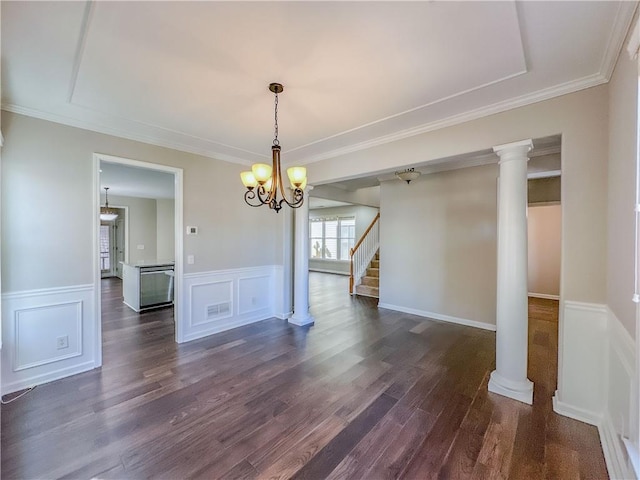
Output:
x,y
193,75
316,203
136,182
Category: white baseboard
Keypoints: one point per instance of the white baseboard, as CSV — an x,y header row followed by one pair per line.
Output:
x,y
439,316
328,270
586,416
50,376
545,296
615,455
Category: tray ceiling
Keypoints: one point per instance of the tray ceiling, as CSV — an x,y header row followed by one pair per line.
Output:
x,y
194,75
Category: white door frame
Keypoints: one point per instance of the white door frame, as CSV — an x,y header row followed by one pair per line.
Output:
x,y
178,279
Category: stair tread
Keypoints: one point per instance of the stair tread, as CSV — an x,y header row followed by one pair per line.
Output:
x,y
368,291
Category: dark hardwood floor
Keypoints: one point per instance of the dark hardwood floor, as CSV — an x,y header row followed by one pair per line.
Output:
x,y
363,394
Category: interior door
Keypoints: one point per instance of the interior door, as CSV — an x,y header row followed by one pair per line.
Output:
x,y
106,248
119,246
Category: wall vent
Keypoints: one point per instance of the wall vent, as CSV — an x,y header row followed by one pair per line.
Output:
x,y
218,310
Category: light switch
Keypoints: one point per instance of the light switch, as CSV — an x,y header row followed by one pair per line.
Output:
x,y
140,247
192,230
190,259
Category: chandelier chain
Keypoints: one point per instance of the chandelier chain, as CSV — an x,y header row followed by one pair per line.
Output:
x,y
275,115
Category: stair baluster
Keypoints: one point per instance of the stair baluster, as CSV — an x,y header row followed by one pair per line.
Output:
x,y
363,252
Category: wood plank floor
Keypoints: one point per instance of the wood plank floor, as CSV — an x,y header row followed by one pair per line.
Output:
x,y
363,394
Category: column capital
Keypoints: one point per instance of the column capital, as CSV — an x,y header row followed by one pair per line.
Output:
x,y
511,151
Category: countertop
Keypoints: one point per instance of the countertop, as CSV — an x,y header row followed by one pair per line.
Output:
x,y
150,263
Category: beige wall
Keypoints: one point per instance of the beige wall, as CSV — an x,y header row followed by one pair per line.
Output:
x,y
438,243
582,120
545,238
165,223
621,199
47,169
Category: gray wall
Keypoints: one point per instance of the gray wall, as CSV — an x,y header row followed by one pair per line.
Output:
x,y
47,169
165,224
364,216
141,223
438,243
581,118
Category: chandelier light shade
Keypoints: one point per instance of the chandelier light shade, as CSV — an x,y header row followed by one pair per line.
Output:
x,y
264,182
107,214
408,174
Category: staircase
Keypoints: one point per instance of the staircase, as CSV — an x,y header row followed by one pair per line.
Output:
x,y
364,270
370,284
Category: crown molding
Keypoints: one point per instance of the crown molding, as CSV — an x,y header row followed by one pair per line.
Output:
x,y
524,100
121,133
499,107
541,152
634,41
621,26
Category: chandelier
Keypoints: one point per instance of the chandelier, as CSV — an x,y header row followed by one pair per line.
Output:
x,y
264,181
107,214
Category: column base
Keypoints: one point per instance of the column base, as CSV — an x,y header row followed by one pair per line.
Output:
x,y
521,391
301,320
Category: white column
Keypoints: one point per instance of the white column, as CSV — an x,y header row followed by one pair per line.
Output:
x,y
510,376
301,265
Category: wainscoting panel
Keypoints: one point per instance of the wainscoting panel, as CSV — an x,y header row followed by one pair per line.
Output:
x,y
254,294
47,334
581,362
219,300
619,415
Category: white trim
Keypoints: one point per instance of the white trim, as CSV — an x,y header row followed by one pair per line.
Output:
x,y
46,377
178,233
634,41
326,270
621,338
46,291
229,271
612,448
130,135
17,376
544,295
528,99
548,174
439,316
634,455
520,391
197,325
301,322
615,43
586,416
586,307
17,366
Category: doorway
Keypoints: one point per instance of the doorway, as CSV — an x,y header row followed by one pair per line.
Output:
x,y
125,247
113,244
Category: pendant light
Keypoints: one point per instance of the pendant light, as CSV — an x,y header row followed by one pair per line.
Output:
x,y
107,214
264,181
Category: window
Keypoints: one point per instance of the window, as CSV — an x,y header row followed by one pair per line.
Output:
x,y
332,238
105,247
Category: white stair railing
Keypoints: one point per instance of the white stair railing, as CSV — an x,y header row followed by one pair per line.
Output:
x,y
363,252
